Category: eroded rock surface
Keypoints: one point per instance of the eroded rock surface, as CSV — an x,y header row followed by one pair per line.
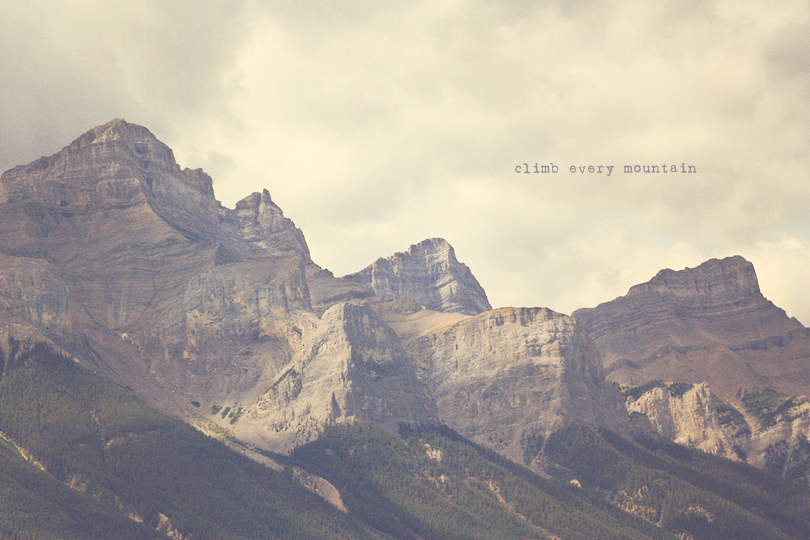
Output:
x,y
698,419
508,377
428,273
710,323
112,252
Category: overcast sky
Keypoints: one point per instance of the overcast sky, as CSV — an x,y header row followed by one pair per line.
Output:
x,y
377,125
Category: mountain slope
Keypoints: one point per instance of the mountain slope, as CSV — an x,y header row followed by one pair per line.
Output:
x,y
112,258
509,377
705,324
109,459
111,467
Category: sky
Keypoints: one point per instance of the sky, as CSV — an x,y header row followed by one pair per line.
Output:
x,y
377,125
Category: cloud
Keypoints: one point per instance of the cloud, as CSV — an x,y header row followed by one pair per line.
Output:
x,y
68,66
377,125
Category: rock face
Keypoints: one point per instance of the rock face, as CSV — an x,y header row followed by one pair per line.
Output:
x,y
692,419
698,419
509,377
352,368
709,323
428,273
128,250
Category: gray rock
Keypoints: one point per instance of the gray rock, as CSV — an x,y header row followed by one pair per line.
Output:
x,y
428,273
710,323
509,377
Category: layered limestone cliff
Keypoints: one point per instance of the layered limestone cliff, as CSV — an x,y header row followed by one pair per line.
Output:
x,y
119,256
710,323
428,273
352,368
692,419
776,440
128,261
508,377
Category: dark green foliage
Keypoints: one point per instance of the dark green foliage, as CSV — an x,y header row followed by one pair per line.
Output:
x,y
435,484
636,392
727,413
234,416
35,505
429,483
90,432
767,404
532,444
676,389
685,490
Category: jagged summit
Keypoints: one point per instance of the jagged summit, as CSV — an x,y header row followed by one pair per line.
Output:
x,y
262,222
708,323
116,150
125,170
731,277
116,255
428,273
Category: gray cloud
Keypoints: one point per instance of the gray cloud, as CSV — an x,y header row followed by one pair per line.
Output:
x,y
377,125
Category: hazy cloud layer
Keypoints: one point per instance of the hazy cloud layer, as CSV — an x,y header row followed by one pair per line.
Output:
x,y
376,126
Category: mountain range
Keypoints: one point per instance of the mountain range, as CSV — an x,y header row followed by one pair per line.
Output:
x,y
393,402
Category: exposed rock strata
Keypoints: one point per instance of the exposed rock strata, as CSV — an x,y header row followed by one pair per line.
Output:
x,y
428,273
508,377
352,368
710,323
695,420
129,262
692,419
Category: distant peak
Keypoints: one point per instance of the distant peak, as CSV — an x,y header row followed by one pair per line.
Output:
x,y
429,273
734,271
112,151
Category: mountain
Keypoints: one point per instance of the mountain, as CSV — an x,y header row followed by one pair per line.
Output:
x,y
705,324
428,273
763,428
508,378
83,458
391,403
740,365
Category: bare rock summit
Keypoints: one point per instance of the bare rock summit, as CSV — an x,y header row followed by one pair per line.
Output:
x,y
428,273
705,324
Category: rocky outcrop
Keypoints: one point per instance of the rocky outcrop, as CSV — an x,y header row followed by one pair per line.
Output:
x,y
128,261
710,323
262,223
692,419
776,442
783,446
352,368
508,377
428,273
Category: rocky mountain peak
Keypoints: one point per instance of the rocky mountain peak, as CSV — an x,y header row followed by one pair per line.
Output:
x,y
263,223
709,323
117,158
731,277
429,273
